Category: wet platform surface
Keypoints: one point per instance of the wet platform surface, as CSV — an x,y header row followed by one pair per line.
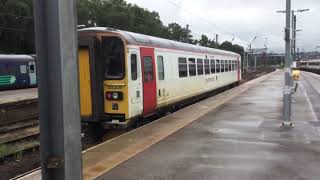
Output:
x,y
240,140
11,96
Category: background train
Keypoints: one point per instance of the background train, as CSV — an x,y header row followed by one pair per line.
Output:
x,y
310,65
125,76
17,71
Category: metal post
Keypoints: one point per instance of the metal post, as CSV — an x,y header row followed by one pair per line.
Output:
x,y
266,52
294,26
56,44
247,59
255,63
287,88
217,40
250,52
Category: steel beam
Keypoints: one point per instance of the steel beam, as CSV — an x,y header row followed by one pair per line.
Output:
x,y
56,46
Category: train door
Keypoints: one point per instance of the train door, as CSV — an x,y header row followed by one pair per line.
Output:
x,y
32,73
149,80
85,83
135,89
162,92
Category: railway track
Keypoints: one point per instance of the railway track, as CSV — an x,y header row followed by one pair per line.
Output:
x,y
19,137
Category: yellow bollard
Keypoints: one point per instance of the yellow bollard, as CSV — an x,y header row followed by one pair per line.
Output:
x,y
296,75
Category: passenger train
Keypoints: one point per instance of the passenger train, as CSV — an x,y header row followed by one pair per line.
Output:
x,y
17,71
125,76
310,65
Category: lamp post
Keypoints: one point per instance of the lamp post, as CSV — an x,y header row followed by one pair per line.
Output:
x,y
294,26
287,88
317,50
250,50
266,46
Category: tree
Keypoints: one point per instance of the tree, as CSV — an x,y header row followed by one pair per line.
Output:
x,y
179,33
16,31
204,41
228,46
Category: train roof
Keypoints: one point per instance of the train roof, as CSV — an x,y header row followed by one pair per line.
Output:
x,y
313,60
15,58
144,40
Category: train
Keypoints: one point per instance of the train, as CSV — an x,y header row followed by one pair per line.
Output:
x,y
126,76
310,65
17,71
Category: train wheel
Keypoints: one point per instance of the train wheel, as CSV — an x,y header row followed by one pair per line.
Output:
x,y
93,132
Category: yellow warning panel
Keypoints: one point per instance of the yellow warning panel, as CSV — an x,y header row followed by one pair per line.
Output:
x,y
85,83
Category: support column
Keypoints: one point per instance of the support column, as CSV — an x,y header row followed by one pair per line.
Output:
x,y
287,88
56,47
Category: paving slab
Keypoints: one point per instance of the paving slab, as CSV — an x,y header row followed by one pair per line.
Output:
x,y
239,140
12,96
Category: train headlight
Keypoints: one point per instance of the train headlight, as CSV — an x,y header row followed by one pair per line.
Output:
x,y
116,96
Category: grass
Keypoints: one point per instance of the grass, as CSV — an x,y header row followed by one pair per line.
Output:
x,y
16,149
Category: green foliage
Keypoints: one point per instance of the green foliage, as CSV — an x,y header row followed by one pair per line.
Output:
x,y
3,150
205,41
17,28
228,46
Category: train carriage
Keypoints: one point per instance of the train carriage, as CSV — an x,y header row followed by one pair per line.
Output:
x,y
17,71
125,75
310,65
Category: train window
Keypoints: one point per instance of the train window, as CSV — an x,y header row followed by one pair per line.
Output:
x,y
134,67
218,66
192,67
148,69
206,66
212,66
230,66
113,58
12,69
226,67
160,67
236,65
3,69
200,66
31,68
23,69
233,65
222,65
183,67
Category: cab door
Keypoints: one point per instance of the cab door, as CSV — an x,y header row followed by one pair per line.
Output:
x,y
149,80
32,73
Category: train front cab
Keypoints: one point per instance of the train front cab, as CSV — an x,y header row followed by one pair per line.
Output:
x,y
104,80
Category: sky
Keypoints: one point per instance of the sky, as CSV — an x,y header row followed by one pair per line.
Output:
x,y
241,20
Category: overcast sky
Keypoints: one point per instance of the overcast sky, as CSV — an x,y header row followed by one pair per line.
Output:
x,y
243,19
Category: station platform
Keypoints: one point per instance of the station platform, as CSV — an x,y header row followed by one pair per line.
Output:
x,y
12,96
236,135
